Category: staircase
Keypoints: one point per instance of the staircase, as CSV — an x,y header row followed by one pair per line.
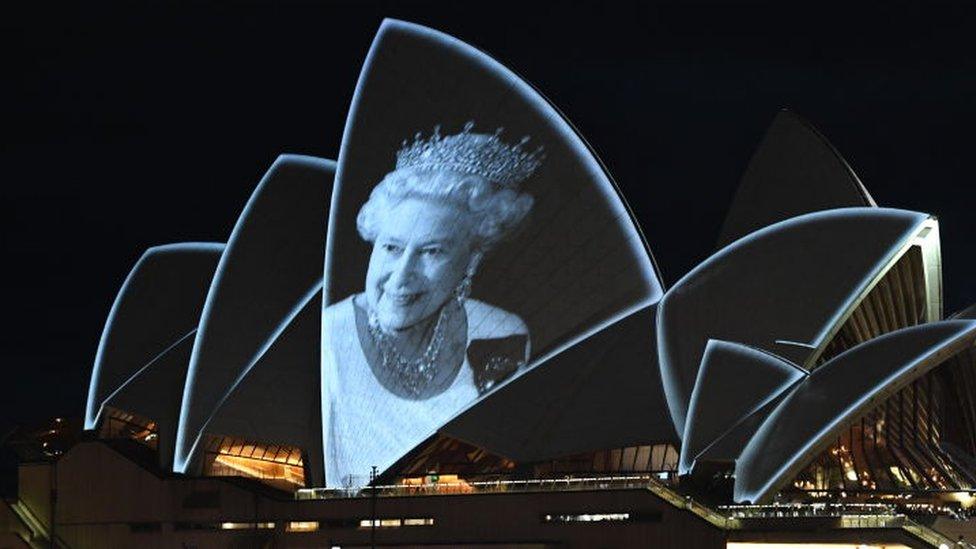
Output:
x,y
34,533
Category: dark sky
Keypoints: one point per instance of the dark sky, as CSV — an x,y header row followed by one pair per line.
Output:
x,y
130,126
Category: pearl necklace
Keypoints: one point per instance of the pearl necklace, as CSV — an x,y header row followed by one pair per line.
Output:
x,y
411,375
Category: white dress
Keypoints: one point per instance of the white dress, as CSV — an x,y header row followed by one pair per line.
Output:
x,y
363,423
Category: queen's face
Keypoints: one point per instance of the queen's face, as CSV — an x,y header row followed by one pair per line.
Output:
x,y
419,257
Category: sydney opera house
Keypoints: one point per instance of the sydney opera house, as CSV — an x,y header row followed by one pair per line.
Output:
x,y
456,335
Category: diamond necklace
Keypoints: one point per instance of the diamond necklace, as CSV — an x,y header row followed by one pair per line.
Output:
x,y
412,375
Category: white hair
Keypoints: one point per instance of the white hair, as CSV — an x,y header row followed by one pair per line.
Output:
x,y
494,211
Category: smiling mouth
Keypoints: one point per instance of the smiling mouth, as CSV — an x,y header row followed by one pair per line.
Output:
x,y
403,299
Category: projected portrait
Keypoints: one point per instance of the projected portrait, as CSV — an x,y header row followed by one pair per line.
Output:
x,y
461,258
414,339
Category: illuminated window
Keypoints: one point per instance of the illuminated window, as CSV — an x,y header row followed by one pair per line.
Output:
x,y
223,525
119,424
436,483
276,465
397,522
301,526
588,517
601,517
247,525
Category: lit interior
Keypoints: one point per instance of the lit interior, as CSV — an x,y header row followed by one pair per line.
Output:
x,y
441,484
120,424
302,526
277,465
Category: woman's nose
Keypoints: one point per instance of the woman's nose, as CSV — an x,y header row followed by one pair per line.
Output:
x,y
404,269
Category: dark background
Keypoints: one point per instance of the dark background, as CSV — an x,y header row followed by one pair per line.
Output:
x,y
128,126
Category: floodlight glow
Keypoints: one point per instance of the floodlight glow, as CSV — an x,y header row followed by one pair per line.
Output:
x,y
675,374
96,392
761,489
286,199
755,366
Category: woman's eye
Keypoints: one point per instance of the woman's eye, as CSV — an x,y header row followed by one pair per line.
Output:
x,y
392,248
433,252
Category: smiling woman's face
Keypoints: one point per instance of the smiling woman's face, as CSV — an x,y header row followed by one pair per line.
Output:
x,y
419,257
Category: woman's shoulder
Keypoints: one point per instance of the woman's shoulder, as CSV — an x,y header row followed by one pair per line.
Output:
x,y
499,343
340,311
489,322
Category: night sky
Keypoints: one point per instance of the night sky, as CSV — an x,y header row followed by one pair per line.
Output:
x,y
127,127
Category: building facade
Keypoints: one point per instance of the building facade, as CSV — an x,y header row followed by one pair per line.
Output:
x,y
454,335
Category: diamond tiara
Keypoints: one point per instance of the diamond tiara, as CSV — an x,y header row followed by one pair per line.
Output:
x,y
472,153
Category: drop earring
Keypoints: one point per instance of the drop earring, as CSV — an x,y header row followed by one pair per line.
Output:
x,y
463,289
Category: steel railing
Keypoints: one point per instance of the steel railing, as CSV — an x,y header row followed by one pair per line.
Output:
x,y
480,487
